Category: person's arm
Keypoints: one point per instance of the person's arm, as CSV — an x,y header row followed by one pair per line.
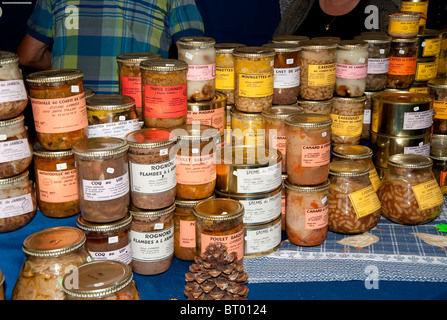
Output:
x,y
34,53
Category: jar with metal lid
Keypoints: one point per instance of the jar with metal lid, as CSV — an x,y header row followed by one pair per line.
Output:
x,y
286,69
306,213
403,58
354,206
196,160
429,43
101,280
409,192
200,55
88,93
220,220
56,182
211,112
225,69
351,69
129,76
289,38
419,6
59,110
275,127
308,148
253,78
152,235
13,94
438,89
318,65
164,92
18,204
247,128
111,115
404,24
316,106
50,254
103,178
16,152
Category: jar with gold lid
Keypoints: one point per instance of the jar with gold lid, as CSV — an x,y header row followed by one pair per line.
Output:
x,y
59,110
289,38
247,128
404,24
409,192
418,6
347,119
50,254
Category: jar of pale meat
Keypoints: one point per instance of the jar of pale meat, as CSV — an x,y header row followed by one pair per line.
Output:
x,y
353,204
404,24
409,191
316,106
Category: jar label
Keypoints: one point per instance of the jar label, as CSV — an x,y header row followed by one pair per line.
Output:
x,y
12,90
117,129
401,66
234,242
422,149
14,150
375,179
131,86
151,178
152,246
442,178
214,118
261,210
315,155
426,71
378,65
367,116
316,218
419,89
262,240
432,47
365,201
108,189
321,75
346,126
280,143
440,109
165,102
187,234
224,78
201,72
255,85
248,137
351,71
16,206
58,186
286,77
123,254
258,180
416,6
195,170
428,195
404,27
418,120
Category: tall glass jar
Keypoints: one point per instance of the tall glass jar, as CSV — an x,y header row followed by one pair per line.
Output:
x,y
200,55
403,59
438,89
247,128
347,120
409,191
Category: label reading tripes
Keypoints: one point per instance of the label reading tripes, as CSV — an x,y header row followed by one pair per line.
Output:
x,y
321,75
258,180
12,90
261,210
428,194
234,242
224,78
152,177
347,126
152,246
16,206
58,186
255,85
14,150
165,102
108,189
365,201
316,218
195,169
131,86
418,120
123,255
117,129
315,155
286,77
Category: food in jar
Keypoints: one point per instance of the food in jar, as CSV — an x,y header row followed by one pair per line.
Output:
x,y
316,106
367,115
440,171
438,89
404,24
262,239
403,59
426,69
211,112
429,43
247,128
347,119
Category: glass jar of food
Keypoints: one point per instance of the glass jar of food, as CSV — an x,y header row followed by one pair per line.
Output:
x,y
50,254
403,59
220,220
347,119
225,69
196,160
351,68
286,69
101,280
253,77
111,115
13,94
58,104
200,55
353,204
426,69
404,24
419,6
438,154
56,182
247,128
88,92
129,76
316,106
289,38
16,152
438,89
429,43
307,213
409,191
103,178
152,236
308,148
164,91
317,79
367,115
18,204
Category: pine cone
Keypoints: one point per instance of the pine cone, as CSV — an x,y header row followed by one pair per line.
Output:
x,y
216,276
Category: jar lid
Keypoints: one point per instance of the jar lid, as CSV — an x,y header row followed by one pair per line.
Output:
x,y
409,161
375,38
352,152
163,65
97,279
55,75
319,44
16,178
218,209
309,120
353,44
197,41
250,52
219,100
249,156
291,38
405,40
301,101
347,168
137,57
88,92
141,213
196,131
38,150
307,189
402,97
190,203
7,57
281,111
54,241
361,98
110,102
437,83
103,227
283,46
8,122
227,47
100,147
249,115
406,14
148,138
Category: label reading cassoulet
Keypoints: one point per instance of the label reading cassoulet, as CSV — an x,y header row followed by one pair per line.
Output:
x,y
428,195
365,201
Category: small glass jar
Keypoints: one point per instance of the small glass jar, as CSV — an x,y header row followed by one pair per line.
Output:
x,y
56,182
152,168
164,84
13,94
354,207
308,148
50,254
316,106
16,152
409,192
403,59
129,76
253,77
18,204
111,115
152,235
58,104
351,68
317,79
220,220
100,280
307,213
108,241
200,55
347,120
438,89
404,24
196,161
247,128
103,178
286,68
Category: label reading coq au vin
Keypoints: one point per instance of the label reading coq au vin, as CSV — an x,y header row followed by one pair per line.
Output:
x,y
108,189
258,180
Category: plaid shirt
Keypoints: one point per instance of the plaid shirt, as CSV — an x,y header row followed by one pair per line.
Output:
x,y
89,34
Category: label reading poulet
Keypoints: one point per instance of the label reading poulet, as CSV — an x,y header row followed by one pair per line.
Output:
x,y
365,201
428,194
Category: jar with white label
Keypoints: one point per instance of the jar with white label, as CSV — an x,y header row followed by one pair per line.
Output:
x,y
403,60
262,239
152,168
409,192
438,89
152,237
13,94
103,178
200,55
